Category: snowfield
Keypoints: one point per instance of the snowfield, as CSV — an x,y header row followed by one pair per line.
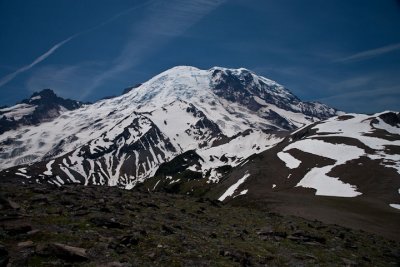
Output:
x,y
317,178
353,127
16,112
325,185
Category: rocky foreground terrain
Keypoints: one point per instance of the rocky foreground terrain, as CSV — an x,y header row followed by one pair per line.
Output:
x,y
73,225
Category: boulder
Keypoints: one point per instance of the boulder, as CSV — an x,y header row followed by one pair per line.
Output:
x,y
69,253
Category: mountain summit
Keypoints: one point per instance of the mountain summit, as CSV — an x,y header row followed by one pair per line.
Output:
x,y
222,90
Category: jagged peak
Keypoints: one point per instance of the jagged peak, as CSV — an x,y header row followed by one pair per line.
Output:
x,y
238,70
184,68
44,92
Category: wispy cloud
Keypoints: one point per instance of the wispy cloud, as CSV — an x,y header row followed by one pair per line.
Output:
x,y
362,94
164,21
371,100
370,53
66,80
117,16
368,92
6,79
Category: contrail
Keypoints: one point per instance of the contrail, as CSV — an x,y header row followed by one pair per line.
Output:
x,y
6,79
370,53
159,26
11,76
115,17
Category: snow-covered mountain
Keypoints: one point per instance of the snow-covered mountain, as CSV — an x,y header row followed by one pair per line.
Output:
x,y
224,115
40,107
352,156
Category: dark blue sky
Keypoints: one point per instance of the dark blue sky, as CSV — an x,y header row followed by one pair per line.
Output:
x,y
343,53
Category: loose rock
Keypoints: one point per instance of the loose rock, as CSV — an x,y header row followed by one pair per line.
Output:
x,y
69,253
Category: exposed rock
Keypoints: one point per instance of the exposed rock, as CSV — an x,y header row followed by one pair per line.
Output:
x,y
391,118
33,232
69,253
13,204
268,233
40,198
114,264
304,256
349,263
243,258
350,245
25,244
130,240
39,190
8,203
17,229
108,223
301,236
43,250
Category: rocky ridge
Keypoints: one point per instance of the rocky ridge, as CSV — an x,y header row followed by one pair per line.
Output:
x,y
40,107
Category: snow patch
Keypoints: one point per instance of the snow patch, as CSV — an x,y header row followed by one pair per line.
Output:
x,y
155,186
317,178
231,190
23,170
290,161
384,126
244,192
396,206
326,185
339,152
35,98
358,127
48,167
23,174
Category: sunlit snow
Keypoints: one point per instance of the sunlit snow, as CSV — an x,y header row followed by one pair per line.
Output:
x,y
396,206
163,102
18,111
327,186
317,178
290,161
231,190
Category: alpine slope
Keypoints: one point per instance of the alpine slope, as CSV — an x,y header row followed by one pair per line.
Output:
x,y
223,115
